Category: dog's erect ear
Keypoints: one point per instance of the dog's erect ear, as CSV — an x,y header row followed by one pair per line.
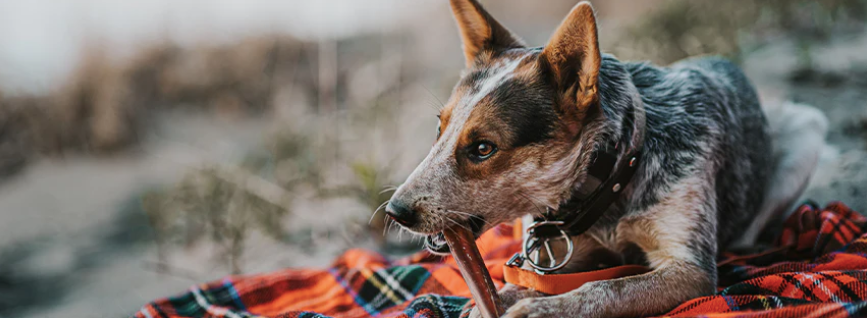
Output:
x,y
480,31
573,55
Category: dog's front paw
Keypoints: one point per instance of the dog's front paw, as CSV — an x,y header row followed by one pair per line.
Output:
x,y
509,295
549,307
535,308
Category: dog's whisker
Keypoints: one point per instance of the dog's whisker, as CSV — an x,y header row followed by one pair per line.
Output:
x,y
408,233
529,200
433,106
382,205
539,209
386,220
459,212
464,226
441,105
388,189
372,215
473,216
377,210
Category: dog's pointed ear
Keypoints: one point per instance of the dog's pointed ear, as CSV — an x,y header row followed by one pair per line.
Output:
x,y
480,31
573,56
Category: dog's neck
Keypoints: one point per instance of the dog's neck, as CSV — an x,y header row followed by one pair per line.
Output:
x,y
619,125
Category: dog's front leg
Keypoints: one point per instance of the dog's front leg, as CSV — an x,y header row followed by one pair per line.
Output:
x,y
678,237
642,295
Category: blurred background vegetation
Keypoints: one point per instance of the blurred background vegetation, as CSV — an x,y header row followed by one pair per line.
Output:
x,y
166,163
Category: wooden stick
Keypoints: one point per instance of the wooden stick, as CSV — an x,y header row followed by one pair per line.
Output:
x,y
463,246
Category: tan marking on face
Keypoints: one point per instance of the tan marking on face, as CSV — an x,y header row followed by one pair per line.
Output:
x,y
445,115
483,125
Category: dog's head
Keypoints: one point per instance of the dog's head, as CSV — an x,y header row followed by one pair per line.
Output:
x,y
509,138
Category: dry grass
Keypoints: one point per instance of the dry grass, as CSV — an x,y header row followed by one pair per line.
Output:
x,y
105,105
683,28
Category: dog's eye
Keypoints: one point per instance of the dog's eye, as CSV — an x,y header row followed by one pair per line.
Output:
x,y
482,150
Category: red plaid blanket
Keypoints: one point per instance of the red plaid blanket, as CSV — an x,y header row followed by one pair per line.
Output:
x,y
817,269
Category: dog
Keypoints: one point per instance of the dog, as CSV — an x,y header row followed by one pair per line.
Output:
x,y
519,133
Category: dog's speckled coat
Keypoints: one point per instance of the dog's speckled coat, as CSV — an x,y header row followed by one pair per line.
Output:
x,y
541,111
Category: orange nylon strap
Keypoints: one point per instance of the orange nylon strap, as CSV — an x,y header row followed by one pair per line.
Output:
x,y
518,229
555,284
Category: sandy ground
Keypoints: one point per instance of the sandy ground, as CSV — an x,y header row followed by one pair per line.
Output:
x,y
73,232
75,243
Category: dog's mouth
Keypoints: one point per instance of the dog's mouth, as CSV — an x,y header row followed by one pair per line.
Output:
x,y
436,243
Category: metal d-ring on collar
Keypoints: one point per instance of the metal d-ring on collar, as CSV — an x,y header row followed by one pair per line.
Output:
x,y
536,241
582,210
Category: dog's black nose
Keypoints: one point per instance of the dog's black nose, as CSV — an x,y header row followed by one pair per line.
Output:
x,y
400,213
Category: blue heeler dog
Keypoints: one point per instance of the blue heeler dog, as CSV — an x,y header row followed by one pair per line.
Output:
x,y
520,132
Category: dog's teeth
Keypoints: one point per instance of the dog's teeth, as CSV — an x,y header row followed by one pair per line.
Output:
x,y
439,239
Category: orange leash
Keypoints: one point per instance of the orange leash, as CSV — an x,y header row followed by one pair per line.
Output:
x,y
555,284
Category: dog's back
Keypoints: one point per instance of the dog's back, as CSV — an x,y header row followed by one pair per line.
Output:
x,y
753,186
706,108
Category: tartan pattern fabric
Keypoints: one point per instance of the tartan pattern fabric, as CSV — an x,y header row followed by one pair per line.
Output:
x,y
818,268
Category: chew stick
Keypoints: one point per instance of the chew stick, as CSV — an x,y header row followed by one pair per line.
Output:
x,y
472,266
